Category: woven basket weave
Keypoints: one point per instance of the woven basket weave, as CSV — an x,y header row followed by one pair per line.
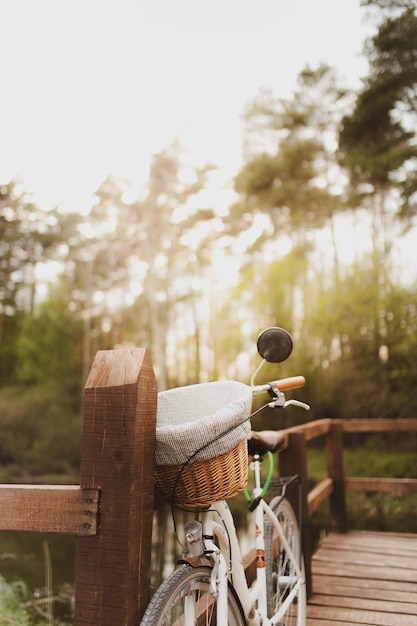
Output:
x,y
200,484
201,443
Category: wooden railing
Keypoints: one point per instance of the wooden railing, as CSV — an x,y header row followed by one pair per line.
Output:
x,y
293,460
111,511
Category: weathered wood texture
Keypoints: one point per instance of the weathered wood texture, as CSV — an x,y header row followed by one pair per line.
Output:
x,y
379,425
312,430
364,578
334,453
396,486
49,509
113,568
292,461
319,494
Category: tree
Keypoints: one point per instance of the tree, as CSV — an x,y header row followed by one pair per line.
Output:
x,y
291,175
136,264
171,248
49,346
29,238
26,235
370,374
378,143
377,140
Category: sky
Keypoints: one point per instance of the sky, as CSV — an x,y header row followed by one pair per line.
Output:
x,y
91,88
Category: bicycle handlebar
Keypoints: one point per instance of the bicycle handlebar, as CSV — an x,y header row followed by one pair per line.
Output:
x,y
293,382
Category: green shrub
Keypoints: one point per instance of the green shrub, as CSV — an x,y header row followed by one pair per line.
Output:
x,y
40,432
12,599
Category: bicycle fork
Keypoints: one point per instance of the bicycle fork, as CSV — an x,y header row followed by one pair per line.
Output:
x,y
223,569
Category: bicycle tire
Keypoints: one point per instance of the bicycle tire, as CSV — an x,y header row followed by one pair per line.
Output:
x,y
280,574
189,584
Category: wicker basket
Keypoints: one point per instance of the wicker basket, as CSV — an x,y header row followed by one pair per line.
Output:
x,y
200,484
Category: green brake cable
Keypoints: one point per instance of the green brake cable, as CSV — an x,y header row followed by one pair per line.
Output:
x,y
267,482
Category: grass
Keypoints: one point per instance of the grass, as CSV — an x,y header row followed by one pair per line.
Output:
x,y
20,607
13,597
372,456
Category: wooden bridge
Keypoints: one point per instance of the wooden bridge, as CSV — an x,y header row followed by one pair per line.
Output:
x,y
353,578
364,578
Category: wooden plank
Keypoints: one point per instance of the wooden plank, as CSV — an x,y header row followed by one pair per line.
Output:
x,y
371,542
396,486
368,604
369,572
364,578
389,550
319,494
383,586
312,430
367,537
118,455
362,558
350,616
361,588
392,546
379,425
319,622
49,509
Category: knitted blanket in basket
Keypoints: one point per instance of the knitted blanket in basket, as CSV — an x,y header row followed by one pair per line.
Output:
x,y
209,418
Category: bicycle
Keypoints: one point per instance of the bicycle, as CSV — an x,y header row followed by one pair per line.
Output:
x,y
209,586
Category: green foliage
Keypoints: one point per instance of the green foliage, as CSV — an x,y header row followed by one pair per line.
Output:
x,y
393,53
28,236
373,144
19,607
8,354
382,512
377,140
389,464
377,455
12,599
48,346
352,325
40,432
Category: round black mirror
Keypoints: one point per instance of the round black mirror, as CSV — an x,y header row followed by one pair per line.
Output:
x,y
274,344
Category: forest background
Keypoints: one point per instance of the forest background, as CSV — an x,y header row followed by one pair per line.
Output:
x,y
310,235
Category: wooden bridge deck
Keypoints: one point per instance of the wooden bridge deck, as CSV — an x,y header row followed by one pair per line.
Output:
x,y
365,578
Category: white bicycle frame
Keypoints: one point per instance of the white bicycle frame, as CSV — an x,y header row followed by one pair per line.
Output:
x,y
218,522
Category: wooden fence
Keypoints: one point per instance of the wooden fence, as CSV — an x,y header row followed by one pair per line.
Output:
x,y
111,511
293,460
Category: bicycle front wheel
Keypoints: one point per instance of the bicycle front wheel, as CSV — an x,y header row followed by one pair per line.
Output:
x,y
184,599
281,574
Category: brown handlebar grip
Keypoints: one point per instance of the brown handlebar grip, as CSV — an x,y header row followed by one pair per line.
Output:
x,y
290,383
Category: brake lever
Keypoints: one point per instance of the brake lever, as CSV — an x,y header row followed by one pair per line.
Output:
x,y
278,397
302,405
281,403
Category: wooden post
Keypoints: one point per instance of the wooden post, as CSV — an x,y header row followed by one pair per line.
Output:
x,y
334,447
293,460
113,568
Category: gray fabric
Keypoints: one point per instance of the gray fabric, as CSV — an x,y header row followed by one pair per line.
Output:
x,y
191,417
